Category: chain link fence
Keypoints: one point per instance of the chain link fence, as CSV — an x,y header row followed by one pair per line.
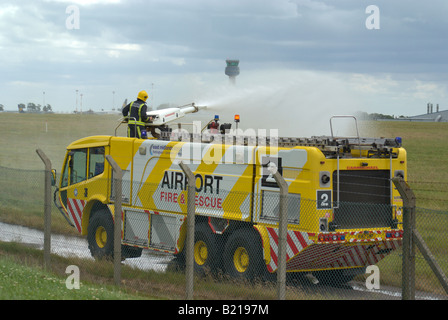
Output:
x,y
232,258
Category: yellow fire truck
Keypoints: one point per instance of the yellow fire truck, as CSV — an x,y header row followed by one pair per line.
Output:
x,y
344,213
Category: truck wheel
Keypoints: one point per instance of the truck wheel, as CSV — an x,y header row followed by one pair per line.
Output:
x,y
243,255
100,235
205,249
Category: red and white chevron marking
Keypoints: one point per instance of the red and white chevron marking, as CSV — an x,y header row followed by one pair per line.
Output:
x,y
75,208
303,254
339,255
296,241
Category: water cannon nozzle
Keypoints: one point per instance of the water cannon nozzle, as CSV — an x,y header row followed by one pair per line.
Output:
x,y
197,108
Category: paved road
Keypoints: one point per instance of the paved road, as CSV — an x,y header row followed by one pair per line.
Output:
x,y
75,247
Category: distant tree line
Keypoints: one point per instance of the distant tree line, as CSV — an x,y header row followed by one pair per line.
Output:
x,y
31,107
361,115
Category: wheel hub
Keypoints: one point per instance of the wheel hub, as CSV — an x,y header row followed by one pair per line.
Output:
x,y
101,237
200,252
241,259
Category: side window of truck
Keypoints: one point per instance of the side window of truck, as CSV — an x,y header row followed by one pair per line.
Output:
x,y
96,161
78,170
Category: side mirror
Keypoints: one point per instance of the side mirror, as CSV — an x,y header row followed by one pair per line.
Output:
x,y
53,177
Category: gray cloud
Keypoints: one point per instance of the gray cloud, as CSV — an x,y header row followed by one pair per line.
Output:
x,y
168,45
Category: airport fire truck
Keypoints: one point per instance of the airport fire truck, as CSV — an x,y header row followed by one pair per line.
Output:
x,y
343,211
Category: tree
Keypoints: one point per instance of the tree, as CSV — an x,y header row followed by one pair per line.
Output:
x,y
31,107
362,115
47,108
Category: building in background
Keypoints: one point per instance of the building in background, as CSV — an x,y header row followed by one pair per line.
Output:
x,y
431,115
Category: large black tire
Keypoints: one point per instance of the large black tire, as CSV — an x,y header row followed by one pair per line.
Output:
x,y
206,257
243,255
100,235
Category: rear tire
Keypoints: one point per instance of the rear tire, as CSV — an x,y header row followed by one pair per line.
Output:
x,y
243,255
206,256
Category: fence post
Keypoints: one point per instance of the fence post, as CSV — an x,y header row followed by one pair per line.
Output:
x,y
47,209
191,192
408,268
118,175
283,233
424,249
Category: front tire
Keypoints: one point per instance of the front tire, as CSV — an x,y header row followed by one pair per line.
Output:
x,y
100,235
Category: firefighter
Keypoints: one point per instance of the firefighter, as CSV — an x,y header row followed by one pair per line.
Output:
x,y
137,117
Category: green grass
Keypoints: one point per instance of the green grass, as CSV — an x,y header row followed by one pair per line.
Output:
x,y
18,282
22,134
426,144
21,169
21,278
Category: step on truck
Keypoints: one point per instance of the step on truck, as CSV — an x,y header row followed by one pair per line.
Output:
x,y
343,211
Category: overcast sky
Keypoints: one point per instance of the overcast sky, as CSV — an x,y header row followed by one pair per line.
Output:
x,y
293,53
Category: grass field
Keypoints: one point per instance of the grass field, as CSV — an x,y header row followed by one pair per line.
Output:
x,y
22,278
426,144
19,282
21,202
22,134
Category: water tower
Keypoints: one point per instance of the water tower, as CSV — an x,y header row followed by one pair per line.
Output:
x,y
232,70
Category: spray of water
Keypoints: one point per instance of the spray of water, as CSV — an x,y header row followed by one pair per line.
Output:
x,y
297,103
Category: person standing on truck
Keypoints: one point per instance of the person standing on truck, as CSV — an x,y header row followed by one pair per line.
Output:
x,y
137,117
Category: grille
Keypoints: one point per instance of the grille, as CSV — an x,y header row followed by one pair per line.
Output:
x,y
364,199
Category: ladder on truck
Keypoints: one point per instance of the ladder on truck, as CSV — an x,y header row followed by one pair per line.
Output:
x,y
331,146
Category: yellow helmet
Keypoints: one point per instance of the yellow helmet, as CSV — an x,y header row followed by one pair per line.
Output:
x,y
142,95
